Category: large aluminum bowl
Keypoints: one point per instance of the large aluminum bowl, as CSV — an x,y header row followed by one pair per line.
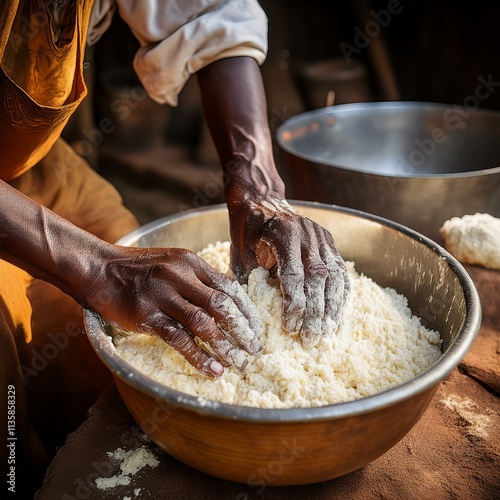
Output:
x,y
416,163
303,445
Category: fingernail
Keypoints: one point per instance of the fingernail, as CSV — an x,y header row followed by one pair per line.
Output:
x,y
237,359
255,347
310,338
216,367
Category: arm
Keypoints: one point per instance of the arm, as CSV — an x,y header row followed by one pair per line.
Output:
x,y
265,230
170,293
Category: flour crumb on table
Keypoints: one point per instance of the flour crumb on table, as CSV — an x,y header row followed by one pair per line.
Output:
x,y
473,239
131,462
379,345
468,411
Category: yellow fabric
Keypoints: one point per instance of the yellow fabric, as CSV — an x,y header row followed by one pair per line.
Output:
x,y
41,79
7,15
45,354
46,357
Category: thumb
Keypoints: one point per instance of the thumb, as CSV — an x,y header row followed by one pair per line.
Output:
x,y
264,255
243,261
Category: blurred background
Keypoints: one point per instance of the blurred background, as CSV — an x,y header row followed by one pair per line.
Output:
x,y
162,159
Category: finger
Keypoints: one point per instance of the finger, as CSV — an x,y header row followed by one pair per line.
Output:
x,y
337,285
232,309
234,324
347,287
243,258
176,336
203,326
316,274
244,305
291,274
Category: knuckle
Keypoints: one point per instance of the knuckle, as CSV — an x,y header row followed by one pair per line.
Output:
x,y
310,336
270,225
198,357
199,321
294,305
178,338
316,268
293,292
218,301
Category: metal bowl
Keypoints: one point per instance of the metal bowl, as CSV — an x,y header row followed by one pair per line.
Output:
x,y
303,445
415,163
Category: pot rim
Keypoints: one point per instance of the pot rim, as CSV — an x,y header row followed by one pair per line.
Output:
x,y
102,344
338,109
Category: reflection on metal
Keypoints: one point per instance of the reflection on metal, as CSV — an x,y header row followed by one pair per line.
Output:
x,y
416,163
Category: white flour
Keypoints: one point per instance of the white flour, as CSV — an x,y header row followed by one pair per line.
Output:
x,y
473,239
379,345
132,462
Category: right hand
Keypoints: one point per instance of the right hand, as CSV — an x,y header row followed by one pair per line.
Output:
x,y
173,294
314,280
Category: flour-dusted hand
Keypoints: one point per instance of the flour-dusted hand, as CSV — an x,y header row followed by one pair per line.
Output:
x,y
265,230
173,294
314,280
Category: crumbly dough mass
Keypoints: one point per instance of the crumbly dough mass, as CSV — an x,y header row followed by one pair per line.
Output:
x,y
378,345
473,239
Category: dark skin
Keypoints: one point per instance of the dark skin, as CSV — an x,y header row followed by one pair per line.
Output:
x,y
265,231
173,294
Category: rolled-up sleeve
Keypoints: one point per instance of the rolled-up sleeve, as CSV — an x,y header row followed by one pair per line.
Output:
x,y
179,38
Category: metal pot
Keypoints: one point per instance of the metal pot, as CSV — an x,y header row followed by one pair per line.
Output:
x,y
418,164
236,442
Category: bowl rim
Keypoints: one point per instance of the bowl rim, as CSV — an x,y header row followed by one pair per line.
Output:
x,y
338,109
103,346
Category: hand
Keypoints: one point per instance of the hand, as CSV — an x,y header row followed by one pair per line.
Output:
x,y
314,280
176,296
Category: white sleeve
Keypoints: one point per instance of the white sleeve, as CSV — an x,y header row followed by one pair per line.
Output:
x,y
100,19
180,37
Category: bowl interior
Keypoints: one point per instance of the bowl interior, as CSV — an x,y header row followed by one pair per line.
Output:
x,y
396,138
436,285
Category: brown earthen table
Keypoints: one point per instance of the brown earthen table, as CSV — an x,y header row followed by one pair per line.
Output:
x,y
452,453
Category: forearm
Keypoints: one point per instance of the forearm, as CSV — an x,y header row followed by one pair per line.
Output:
x,y
170,293
264,230
234,104
46,245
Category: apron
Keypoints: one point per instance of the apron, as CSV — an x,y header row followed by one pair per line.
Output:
x,y
41,78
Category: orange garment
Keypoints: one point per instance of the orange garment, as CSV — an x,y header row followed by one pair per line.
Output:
x,y
41,78
45,358
45,354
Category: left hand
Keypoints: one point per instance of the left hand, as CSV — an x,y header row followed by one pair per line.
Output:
x,y
314,280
